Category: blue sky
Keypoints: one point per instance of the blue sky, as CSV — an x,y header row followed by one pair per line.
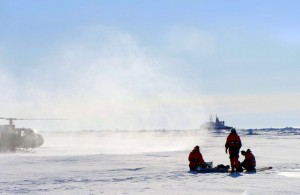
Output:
x,y
151,64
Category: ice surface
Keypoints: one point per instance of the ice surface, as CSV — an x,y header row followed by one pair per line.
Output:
x,y
148,162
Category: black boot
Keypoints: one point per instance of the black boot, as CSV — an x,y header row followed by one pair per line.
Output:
x,y
233,170
240,169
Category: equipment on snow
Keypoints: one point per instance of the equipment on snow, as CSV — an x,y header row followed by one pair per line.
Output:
x,y
225,169
218,169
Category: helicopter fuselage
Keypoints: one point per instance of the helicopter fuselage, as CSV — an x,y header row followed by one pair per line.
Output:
x,y
12,138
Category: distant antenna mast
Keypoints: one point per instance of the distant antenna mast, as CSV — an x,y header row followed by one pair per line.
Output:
x,y
217,119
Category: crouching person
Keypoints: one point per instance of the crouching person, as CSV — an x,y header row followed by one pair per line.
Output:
x,y
249,163
196,159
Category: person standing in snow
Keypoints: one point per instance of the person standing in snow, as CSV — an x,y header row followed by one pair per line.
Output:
x,y
196,159
233,143
249,163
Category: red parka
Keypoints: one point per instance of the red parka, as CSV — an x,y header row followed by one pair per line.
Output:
x,y
250,159
233,140
195,158
233,143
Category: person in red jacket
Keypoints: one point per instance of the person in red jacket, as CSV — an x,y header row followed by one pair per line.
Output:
x,y
249,163
233,143
196,159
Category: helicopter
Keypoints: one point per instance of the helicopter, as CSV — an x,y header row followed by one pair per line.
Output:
x,y
12,138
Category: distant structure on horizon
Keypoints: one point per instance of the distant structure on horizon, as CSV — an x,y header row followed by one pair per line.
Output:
x,y
215,125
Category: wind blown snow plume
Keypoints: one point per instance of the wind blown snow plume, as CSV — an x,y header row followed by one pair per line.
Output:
x,y
121,141
103,79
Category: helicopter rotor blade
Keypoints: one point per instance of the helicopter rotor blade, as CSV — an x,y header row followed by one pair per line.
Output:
x,y
40,119
32,118
7,118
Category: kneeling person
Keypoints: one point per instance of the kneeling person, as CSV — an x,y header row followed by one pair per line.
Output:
x,y
249,163
196,159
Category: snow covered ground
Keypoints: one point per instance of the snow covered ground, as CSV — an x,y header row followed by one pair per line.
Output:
x,y
148,162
